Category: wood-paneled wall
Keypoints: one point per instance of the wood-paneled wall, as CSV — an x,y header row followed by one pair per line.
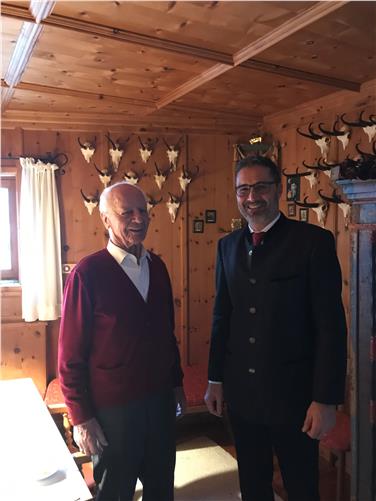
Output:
x,y
190,257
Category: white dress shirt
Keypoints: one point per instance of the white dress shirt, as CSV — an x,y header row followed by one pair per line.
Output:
x,y
138,273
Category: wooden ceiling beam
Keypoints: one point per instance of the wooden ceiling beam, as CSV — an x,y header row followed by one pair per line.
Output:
x,y
20,12
286,29
304,18
144,105
301,75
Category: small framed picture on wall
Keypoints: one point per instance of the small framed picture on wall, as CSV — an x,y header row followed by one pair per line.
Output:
x,y
291,210
303,214
210,216
292,187
198,226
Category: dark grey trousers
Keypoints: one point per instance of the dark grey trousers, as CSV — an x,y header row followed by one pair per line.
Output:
x,y
141,437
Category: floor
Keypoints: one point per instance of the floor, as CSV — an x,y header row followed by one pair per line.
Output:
x,y
217,430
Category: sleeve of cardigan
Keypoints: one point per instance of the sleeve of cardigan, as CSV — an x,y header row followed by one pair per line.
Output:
x,y
177,370
74,348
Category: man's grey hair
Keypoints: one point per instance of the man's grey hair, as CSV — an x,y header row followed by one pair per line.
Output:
x,y
105,195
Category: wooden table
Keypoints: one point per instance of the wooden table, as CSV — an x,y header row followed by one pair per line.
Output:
x,y
35,464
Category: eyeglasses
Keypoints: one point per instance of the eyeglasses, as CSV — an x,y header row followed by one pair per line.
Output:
x,y
243,190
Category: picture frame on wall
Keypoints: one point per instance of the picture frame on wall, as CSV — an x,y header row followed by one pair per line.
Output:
x,y
210,216
292,187
198,226
303,214
291,210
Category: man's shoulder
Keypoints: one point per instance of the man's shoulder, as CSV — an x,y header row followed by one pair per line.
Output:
x,y
156,260
94,260
232,237
308,230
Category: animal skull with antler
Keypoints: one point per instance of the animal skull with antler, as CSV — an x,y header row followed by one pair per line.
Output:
x,y
87,149
345,207
133,177
173,154
115,153
146,149
160,176
320,207
368,126
90,202
310,175
105,175
322,141
173,205
186,177
151,202
342,134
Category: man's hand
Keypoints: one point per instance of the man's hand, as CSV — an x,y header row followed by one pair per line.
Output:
x,y
214,399
319,420
181,401
89,437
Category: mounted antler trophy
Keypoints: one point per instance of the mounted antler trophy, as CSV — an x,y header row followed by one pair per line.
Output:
x,y
160,176
146,149
310,175
320,207
173,153
90,202
151,202
133,177
368,126
335,199
322,167
87,149
343,134
173,205
105,175
322,141
115,152
186,177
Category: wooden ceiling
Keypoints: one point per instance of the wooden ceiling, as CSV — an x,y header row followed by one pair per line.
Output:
x,y
205,66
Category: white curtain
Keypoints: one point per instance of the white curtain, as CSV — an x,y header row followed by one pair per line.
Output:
x,y
40,249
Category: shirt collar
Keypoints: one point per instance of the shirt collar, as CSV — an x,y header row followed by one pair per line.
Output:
x,y
120,254
268,226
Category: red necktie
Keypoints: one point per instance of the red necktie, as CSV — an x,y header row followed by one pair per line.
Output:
x,y
257,238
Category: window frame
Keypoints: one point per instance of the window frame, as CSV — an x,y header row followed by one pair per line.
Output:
x,y
9,178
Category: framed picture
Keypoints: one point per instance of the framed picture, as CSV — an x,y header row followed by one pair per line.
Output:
x,y
292,187
303,214
291,210
198,226
210,216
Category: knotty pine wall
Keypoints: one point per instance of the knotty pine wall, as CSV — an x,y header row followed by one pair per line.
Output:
x,y
190,257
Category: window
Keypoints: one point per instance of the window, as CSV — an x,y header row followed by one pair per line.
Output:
x,y
8,228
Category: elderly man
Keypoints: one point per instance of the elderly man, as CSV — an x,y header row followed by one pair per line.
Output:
x,y
119,364
278,347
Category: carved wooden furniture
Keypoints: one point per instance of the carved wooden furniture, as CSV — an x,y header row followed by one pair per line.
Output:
x,y
338,440
55,402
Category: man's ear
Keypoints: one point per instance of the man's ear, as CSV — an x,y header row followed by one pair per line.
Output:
x,y
279,189
105,220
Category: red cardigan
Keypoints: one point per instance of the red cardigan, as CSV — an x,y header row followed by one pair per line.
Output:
x,y
113,346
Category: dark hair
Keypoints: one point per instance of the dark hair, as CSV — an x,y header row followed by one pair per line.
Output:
x,y
253,160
